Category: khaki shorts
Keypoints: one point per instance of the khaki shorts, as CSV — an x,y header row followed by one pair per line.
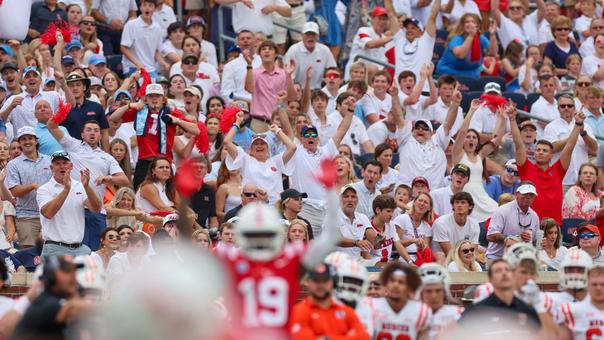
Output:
x,y
297,20
28,229
197,4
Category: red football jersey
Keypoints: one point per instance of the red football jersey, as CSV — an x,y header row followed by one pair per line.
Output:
x,y
265,290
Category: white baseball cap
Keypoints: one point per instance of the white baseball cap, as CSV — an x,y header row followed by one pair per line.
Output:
x,y
169,218
26,131
154,89
492,87
310,27
527,188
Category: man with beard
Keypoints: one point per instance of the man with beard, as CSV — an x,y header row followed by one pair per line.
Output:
x,y
334,319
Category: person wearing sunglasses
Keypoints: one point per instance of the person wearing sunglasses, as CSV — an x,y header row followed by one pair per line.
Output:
x,y
462,258
589,240
249,193
506,182
514,218
587,48
558,132
561,47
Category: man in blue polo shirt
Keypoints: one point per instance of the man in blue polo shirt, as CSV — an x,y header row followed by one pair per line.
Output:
x,y
84,110
507,182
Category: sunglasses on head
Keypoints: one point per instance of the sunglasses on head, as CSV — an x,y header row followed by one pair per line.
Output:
x,y
467,250
312,134
587,235
249,194
512,171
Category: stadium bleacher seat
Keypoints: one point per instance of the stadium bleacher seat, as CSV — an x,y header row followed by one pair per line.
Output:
x,y
395,158
517,98
437,53
363,158
441,37
531,98
468,84
483,80
466,99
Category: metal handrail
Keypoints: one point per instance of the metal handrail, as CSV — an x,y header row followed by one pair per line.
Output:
x,y
375,61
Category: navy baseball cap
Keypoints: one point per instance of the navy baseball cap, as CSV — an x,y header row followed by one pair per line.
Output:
x,y
306,128
67,60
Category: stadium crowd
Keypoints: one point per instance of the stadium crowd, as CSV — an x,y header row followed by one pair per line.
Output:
x,y
365,149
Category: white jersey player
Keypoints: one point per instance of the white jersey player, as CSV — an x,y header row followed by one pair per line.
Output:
x,y
573,278
434,292
396,316
585,319
351,284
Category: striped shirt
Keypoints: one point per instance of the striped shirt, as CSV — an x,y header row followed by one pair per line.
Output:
x,y
23,170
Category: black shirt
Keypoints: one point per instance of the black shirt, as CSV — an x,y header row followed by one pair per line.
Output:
x,y
41,16
80,114
203,202
493,316
232,213
40,319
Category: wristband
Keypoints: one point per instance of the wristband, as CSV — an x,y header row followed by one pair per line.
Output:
x,y
108,21
583,133
281,106
249,67
579,124
236,126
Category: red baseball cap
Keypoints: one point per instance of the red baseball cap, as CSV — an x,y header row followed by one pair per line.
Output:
x,y
379,11
590,228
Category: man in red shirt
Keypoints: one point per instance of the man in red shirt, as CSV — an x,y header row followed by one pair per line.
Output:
x,y
547,179
155,127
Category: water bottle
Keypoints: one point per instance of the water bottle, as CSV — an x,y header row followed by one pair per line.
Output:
x,y
539,237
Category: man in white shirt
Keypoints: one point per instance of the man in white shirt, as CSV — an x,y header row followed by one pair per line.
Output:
x,y
352,225
457,226
111,15
422,151
587,47
62,202
309,52
438,111
390,129
197,27
377,103
233,74
485,117
371,41
517,25
256,15
413,44
197,72
163,16
546,106
141,43
104,169
592,64
460,174
356,137
367,189
558,131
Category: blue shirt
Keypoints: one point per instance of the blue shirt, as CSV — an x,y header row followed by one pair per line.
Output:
x,y
48,144
450,64
80,114
12,264
596,123
557,55
29,258
495,188
243,138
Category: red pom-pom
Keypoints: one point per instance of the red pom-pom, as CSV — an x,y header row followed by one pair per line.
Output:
x,y
178,114
62,112
202,141
328,176
50,36
229,117
146,81
188,179
160,213
493,101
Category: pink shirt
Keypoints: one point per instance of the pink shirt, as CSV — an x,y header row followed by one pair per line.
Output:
x,y
266,86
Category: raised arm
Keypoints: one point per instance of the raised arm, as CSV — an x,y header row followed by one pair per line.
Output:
x,y
348,107
394,25
495,12
396,108
54,130
93,202
306,93
290,146
326,243
118,114
416,93
283,116
520,153
493,44
452,113
228,139
498,133
457,151
249,73
433,97
566,153
431,25
540,10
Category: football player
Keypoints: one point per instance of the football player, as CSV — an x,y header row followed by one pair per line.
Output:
x,y
585,319
396,316
434,292
574,267
266,270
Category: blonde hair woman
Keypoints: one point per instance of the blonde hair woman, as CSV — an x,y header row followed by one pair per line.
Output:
x,y
463,258
122,210
297,231
345,171
202,239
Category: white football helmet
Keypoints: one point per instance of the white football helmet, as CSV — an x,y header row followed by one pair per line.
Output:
x,y
90,276
260,234
336,258
520,251
434,273
574,268
352,280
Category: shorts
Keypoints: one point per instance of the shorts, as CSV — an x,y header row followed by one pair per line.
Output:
x,y
197,4
28,229
297,20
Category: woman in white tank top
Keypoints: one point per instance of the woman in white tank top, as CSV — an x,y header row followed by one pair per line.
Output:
x,y
156,192
228,195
